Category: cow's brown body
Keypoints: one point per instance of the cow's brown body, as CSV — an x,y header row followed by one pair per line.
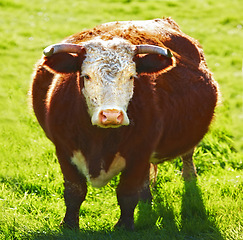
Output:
x,y
169,114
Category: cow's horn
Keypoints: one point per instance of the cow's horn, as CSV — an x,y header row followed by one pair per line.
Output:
x,y
141,49
62,47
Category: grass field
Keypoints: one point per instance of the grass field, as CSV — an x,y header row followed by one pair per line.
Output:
x,y
31,190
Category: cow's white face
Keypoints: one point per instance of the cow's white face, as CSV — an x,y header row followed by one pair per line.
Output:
x,y
108,71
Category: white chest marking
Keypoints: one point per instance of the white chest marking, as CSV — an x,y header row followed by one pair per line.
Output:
x,y
116,167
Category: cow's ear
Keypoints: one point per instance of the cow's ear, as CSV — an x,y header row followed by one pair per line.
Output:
x,y
153,63
64,62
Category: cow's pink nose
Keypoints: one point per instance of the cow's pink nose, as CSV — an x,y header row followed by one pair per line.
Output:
x,y
111,117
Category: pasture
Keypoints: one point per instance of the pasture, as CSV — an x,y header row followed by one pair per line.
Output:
x,y
31,184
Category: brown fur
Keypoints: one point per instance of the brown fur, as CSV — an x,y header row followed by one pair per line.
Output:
x,y
169,114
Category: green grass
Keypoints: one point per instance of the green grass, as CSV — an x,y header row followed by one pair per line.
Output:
x,y
31,190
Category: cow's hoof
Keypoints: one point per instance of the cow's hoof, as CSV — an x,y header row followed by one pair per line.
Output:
x,y
189,176
69,225
127,224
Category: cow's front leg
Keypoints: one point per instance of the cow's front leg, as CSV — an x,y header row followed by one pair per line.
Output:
x,y
127,205
128,194
74,195
75,190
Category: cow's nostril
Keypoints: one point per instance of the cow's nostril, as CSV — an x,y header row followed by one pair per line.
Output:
x,y
120,118
103,117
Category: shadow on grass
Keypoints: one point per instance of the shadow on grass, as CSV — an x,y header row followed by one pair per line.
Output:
x,y
157,222
194,223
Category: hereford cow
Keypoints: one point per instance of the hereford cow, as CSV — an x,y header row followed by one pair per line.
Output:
x,y
117,98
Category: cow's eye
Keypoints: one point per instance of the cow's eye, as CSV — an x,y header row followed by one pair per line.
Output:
x,y
132,77
87,77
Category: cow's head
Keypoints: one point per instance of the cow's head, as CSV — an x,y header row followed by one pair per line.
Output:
x,y
108,69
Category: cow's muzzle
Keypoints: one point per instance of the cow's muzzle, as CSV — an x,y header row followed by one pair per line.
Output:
x,y
111,117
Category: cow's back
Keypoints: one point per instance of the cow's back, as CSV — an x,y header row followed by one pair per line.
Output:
x,y
187,94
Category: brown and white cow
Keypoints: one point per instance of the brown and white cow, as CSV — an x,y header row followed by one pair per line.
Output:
x,y
111,97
